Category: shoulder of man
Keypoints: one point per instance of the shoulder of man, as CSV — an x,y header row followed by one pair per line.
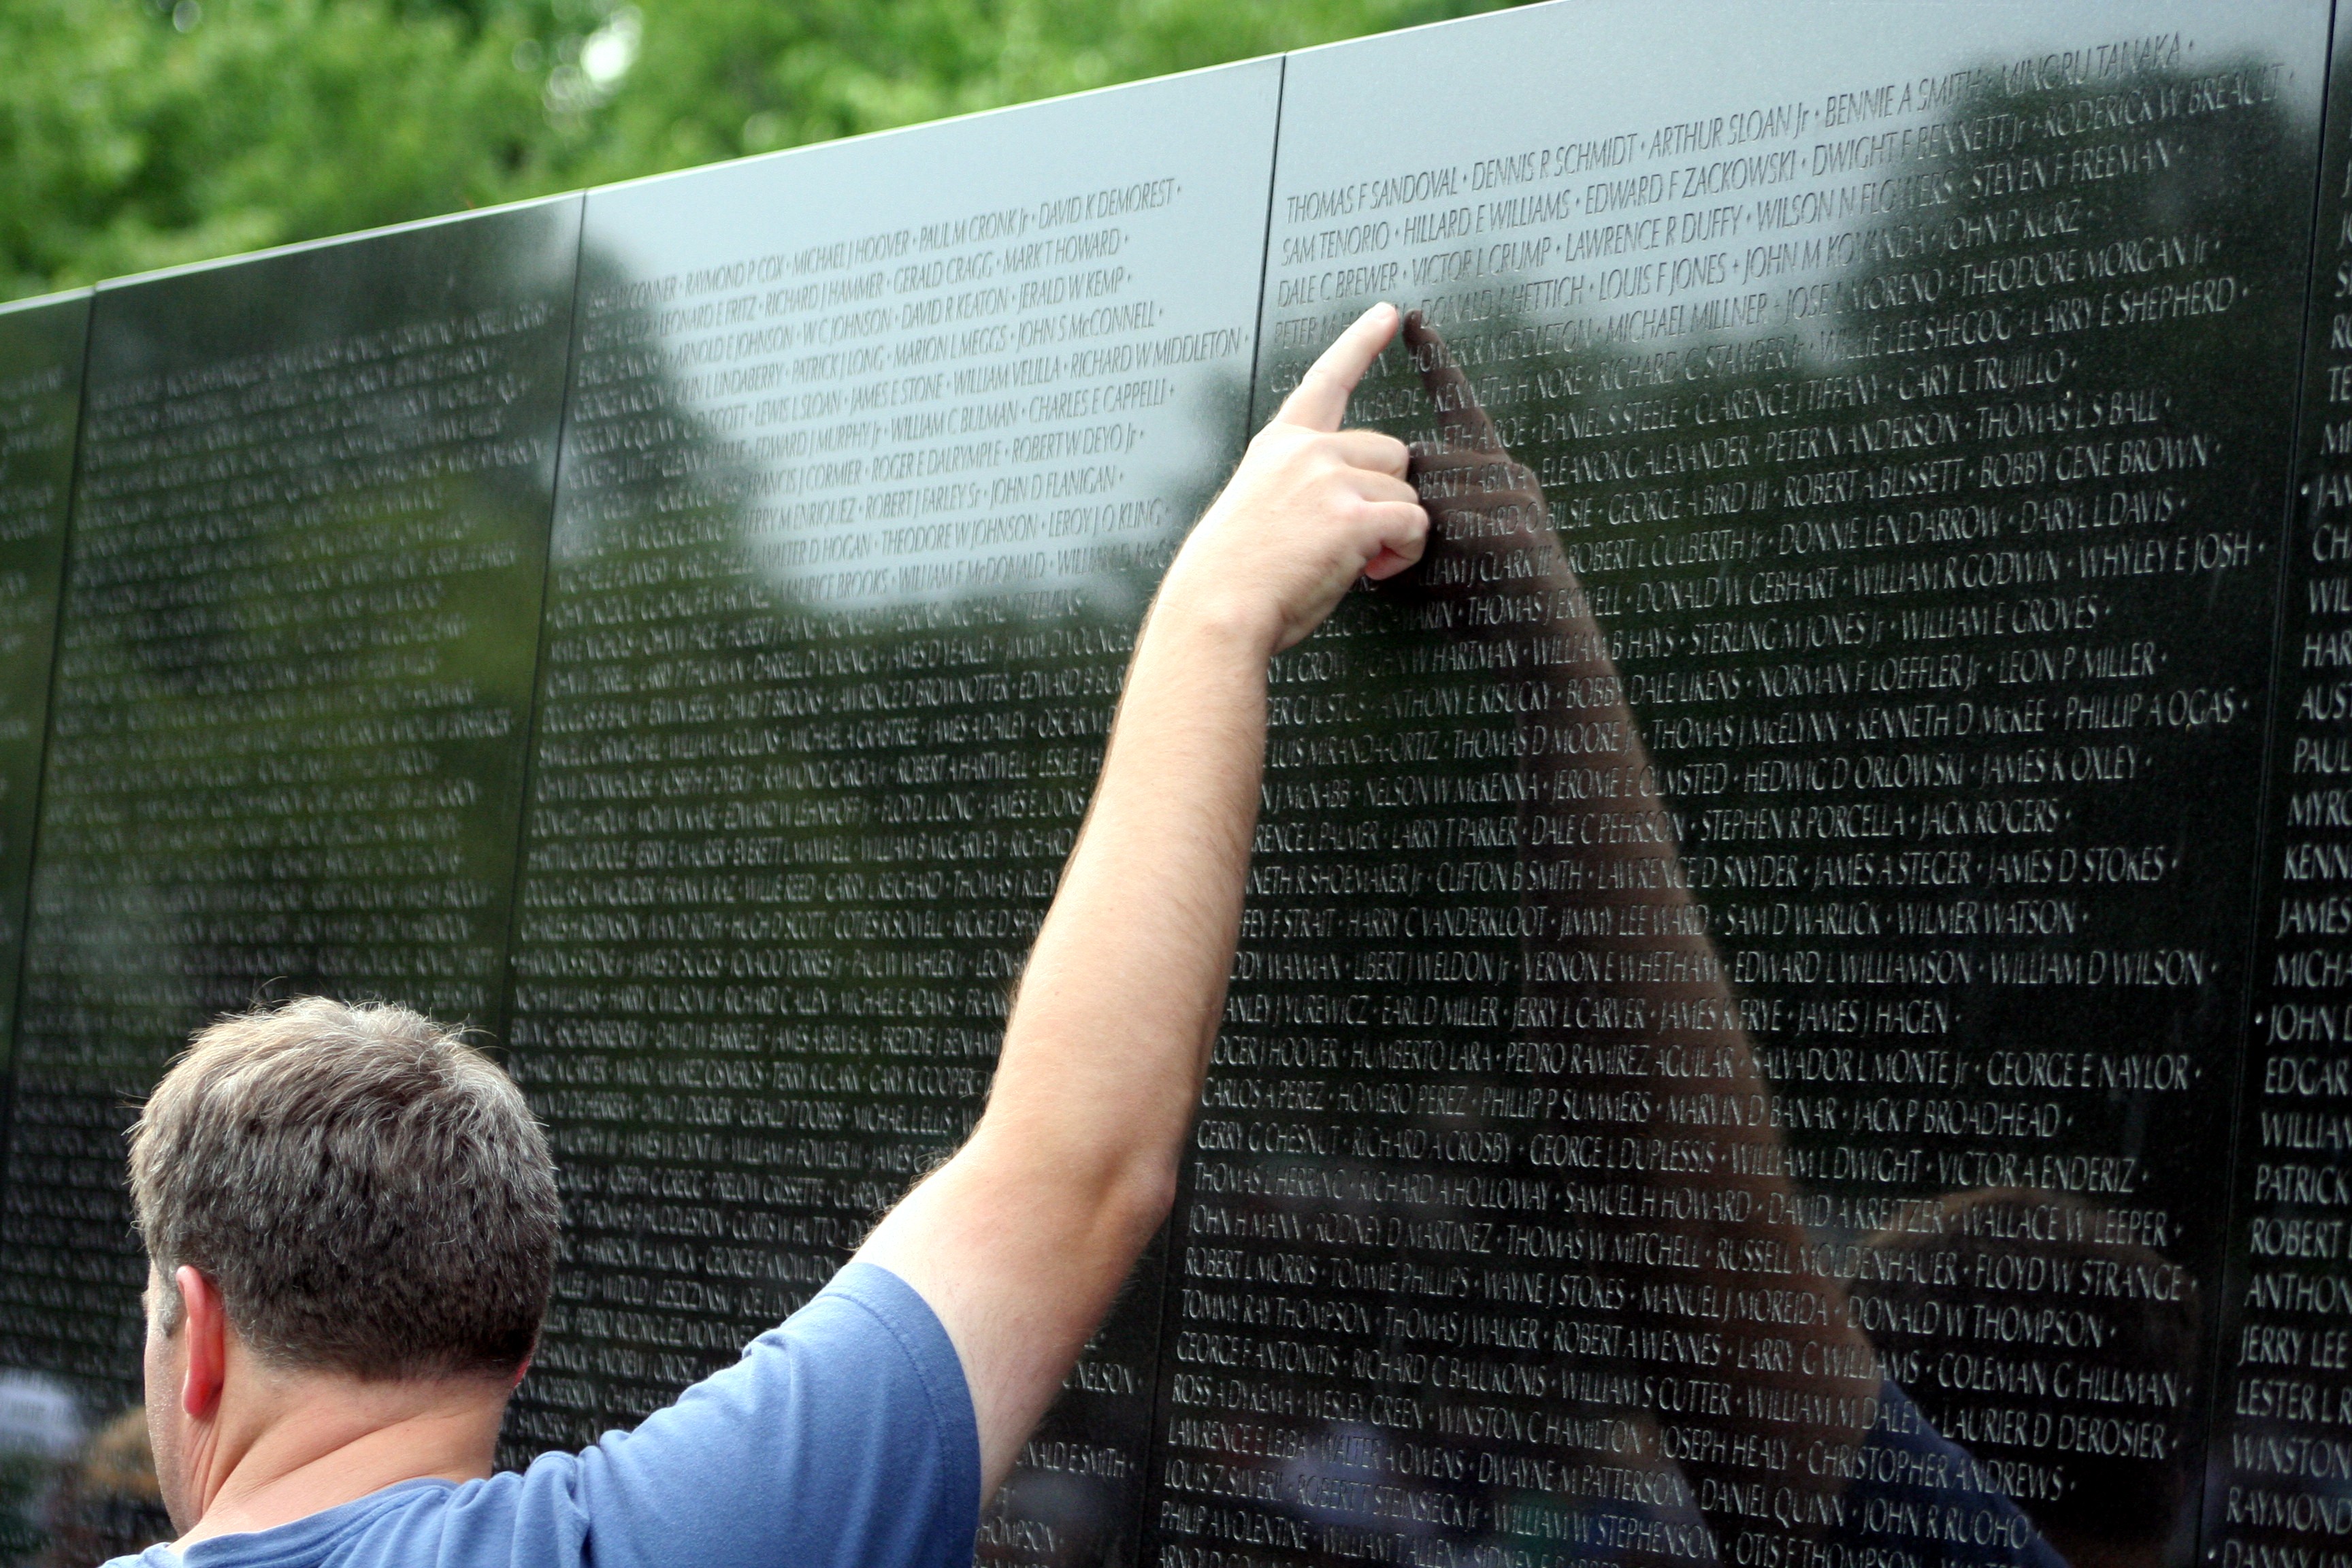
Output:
x,y
420,1520
843,1438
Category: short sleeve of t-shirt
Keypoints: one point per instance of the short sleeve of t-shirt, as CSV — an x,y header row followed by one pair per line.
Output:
x,y
843,1438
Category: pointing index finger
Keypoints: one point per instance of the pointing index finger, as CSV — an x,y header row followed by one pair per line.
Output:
x,y
1321,400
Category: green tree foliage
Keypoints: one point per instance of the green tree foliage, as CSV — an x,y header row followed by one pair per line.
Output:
x,y
141,133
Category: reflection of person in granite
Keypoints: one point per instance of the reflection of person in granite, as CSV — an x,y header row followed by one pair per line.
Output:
x,y
351,1217
106,1502
1960,1299
1641,1025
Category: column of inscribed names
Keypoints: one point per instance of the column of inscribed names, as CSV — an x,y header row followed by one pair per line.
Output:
x,y
1738,948
2282,1454
874,452
294,663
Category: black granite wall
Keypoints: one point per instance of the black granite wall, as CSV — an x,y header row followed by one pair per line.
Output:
x,y
1793,1002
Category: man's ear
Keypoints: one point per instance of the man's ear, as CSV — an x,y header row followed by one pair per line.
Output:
x,y
204,1321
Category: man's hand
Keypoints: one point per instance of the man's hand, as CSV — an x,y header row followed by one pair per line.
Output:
x,y
1021,1241
1311,507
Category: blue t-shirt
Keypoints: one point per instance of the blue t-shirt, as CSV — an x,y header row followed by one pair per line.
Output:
x,y
843,1439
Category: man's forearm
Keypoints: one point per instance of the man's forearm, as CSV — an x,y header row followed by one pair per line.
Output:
x,y
1073,1164
1021,1241
1119,1005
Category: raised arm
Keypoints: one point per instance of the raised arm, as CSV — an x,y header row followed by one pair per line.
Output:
x,y
1021,1241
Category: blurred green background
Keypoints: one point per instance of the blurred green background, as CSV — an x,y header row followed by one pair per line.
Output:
x,y
142,134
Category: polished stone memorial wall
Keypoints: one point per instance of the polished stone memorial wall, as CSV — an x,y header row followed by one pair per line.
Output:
x,y
1763,898
40,391
292,677
1791,1004
874,454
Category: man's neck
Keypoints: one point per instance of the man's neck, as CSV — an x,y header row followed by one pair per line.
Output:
x,y
318,1441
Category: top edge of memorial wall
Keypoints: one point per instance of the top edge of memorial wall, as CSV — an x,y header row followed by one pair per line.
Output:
x,y
1629,51
108,286
1022,126
891,134
61,298
165,322
1670,20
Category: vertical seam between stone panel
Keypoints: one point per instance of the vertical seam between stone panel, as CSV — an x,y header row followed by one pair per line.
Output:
x,y
41,774
2214,1420
1171,1276
1265,245
502,1021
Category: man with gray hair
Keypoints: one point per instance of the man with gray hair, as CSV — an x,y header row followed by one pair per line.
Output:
x,y
351,1217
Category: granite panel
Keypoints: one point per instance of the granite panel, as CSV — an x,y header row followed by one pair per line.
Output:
x,y
41,398
294,670
875,452
2278,1467
1732,1054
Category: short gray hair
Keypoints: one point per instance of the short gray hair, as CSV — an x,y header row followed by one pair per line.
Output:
x,y
369,1192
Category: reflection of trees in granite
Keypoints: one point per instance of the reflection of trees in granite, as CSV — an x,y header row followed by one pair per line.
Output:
x,y
1945,355
294,669
907,764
